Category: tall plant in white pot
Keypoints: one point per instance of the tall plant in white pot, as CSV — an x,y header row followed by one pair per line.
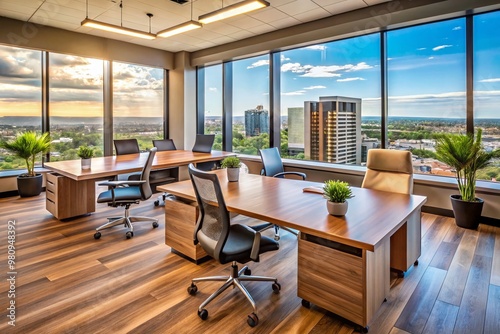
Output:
x,y
233,165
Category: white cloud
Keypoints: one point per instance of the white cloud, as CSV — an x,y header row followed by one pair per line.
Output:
x,y
316,47
283,58
490,80
421,49
294,67
212,89
457,28
351,79
298,92
323,71
263,62
315,87
430,58
440,47
357,67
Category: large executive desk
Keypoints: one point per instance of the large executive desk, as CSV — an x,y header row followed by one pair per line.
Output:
x,y
70,190
343,262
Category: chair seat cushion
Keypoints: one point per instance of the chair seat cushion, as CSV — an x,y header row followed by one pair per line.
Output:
x,y
239,244
121,194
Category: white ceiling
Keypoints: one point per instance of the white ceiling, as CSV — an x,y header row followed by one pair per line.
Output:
x,y
68,14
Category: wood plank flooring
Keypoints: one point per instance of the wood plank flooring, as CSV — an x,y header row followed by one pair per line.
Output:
x,y
67,282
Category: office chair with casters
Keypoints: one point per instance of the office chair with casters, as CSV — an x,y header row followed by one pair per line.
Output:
x,y
390,170
127,146
226,242
163,145
126,193
273,166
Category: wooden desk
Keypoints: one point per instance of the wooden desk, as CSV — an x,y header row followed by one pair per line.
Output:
x,y
343,262
71,190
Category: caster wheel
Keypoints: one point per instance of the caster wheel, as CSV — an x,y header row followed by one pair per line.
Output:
x,y
276,287
97,235
248,272
253,320
155,225
362,329
401,274
164,196
129,234
203,314
192,290
276,237
306,303
157,203
415,263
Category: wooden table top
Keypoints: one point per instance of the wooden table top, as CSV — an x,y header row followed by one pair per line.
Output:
x,y
372,215
112,165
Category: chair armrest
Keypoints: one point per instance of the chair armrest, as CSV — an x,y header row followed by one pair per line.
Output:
x,y
302,175
115,184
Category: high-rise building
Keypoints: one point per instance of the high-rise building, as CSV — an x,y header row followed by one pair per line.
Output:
x,y
295,130
332,129
256,121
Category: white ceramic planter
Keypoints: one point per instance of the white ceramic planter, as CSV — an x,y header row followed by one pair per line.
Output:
x,y
86,163
233,174
336,209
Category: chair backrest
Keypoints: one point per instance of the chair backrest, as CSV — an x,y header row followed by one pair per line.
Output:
x,y
164,144
271,161
146,170
389,170
126,146
203,143
212,228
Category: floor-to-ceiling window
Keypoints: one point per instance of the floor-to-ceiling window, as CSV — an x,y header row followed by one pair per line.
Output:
x,y
330,100
20,97
487,86
426,80
76,105
212,97
138,103
250,107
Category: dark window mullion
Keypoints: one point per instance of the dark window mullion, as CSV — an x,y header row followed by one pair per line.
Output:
x,y
227,106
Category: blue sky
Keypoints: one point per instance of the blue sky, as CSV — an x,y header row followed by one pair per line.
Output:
x,y
426,72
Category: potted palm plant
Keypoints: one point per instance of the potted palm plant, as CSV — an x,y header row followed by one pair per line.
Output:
x,y
233,165
85,153
337,192
465,154
28,145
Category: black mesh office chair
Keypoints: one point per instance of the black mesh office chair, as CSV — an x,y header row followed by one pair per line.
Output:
x,y
126,193
273,166
163,176
126,146
226,242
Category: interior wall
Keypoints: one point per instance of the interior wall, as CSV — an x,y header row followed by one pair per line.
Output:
x,y
40,37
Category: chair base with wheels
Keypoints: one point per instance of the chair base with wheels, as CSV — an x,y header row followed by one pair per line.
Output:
x,y
127,221
234,280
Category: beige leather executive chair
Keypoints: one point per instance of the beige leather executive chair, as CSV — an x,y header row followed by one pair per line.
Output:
x,y
392,171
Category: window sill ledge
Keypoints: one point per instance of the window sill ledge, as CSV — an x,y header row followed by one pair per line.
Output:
x,y
17,172
482,187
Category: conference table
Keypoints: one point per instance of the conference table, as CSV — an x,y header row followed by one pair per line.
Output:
x,y
70,190
343,262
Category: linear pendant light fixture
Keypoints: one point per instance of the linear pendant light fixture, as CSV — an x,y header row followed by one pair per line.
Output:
x,y
183,27
117,29
233,10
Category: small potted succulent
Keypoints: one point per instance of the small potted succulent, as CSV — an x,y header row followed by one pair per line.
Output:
x,y
233,165
337,192
85,153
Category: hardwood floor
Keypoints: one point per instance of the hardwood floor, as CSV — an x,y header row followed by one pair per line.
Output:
x,y
67,282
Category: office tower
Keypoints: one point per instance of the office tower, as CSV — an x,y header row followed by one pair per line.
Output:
x,y
295,130
256,121
332,129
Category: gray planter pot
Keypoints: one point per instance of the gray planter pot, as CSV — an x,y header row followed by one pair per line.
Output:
x,y
336,209
233,174
29,186
86,163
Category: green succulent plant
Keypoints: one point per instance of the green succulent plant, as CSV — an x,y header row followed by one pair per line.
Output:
x,y
231,162
337,191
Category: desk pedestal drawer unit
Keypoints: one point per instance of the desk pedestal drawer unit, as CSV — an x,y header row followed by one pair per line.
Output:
x,y
67,198
180,220
350,282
